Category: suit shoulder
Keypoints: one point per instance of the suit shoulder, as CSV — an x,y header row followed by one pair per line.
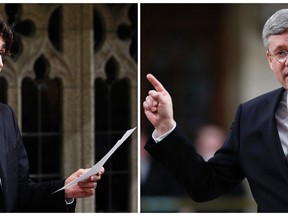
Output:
x,y
5,109
4,106
264,98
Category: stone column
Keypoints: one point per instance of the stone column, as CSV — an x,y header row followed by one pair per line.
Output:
x,y
78,107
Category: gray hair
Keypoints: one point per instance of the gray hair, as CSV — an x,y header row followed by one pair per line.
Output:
x,y
276,24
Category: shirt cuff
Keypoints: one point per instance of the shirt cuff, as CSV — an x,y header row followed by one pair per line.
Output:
x,y
69,201
160,138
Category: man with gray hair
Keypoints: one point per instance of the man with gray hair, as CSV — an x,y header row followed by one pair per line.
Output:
x,y
256,147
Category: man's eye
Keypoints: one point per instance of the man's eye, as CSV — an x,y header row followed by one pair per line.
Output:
x,y
282,54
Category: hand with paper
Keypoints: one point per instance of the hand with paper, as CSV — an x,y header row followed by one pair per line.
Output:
x,y
84,188
83,182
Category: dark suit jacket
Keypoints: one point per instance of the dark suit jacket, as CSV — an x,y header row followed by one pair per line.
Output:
x,y
159,182
20,193
252,149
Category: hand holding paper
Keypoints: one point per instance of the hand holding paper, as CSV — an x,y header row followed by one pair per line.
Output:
x,y
85,188
96,168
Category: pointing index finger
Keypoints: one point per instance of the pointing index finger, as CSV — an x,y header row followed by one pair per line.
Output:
x,y
157,85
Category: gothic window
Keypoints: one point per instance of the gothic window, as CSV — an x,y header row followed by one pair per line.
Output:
x,y
54,29
127,32
98,34
21,27
112,119
42,123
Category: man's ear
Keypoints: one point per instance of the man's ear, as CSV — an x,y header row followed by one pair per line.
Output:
x,y
269,59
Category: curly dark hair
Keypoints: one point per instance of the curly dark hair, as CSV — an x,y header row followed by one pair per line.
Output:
x,y
7,34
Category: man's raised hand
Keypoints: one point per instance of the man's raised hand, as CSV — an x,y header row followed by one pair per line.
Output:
x,y
158,107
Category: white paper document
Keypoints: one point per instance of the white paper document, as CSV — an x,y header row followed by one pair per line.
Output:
x,y
96,168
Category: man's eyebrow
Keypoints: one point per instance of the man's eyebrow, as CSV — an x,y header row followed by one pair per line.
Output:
x,y
278,47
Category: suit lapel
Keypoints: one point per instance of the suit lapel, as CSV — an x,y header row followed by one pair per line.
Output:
x,y
271,136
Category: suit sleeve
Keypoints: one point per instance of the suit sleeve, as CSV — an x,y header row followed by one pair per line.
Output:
x,y
36,197
203,181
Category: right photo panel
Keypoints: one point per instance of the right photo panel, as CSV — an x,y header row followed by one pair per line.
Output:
x,y
214,119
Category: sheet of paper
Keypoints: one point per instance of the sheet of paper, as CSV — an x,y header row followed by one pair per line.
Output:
x,y
96,168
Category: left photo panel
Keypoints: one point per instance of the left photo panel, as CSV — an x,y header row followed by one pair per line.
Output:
x,y
68,97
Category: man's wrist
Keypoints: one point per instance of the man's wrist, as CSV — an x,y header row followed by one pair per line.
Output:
x,y
165,127
157,138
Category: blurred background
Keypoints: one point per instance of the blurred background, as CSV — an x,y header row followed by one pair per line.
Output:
x,y
72,81
210,58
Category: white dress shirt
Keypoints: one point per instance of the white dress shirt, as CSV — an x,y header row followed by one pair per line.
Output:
x,y
158,138
281,117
